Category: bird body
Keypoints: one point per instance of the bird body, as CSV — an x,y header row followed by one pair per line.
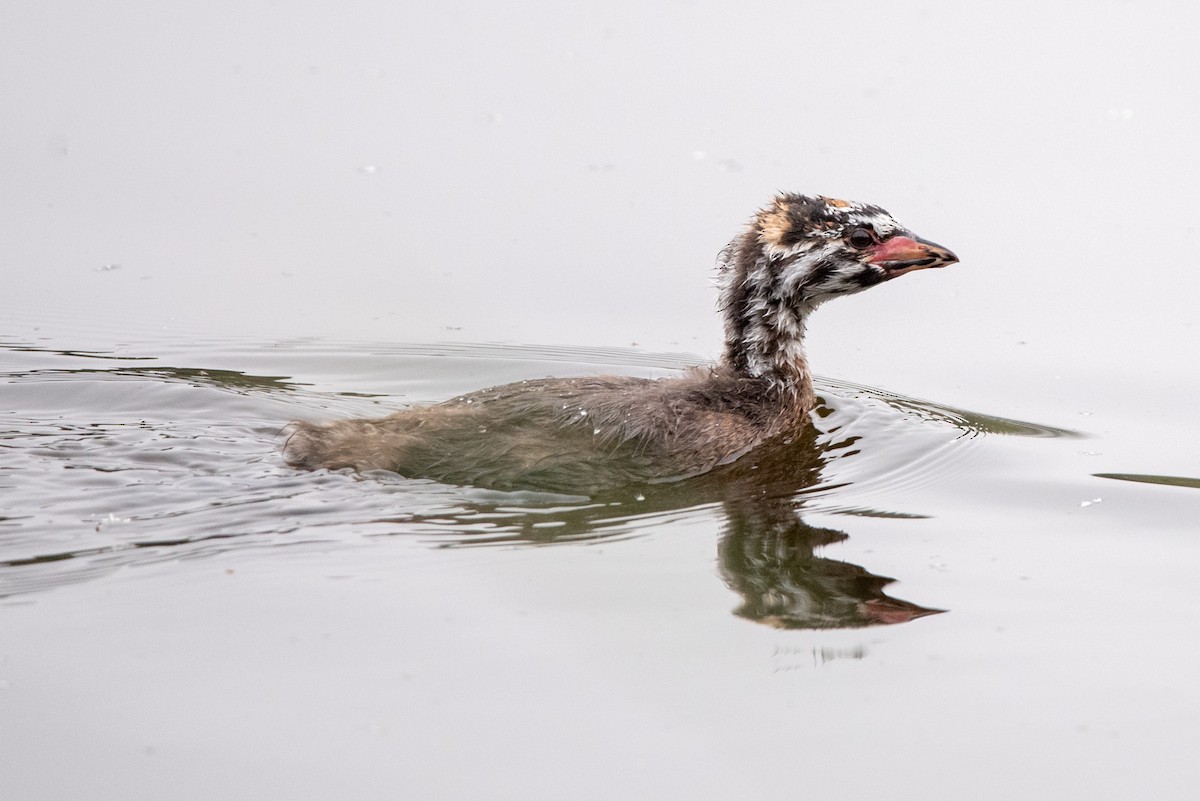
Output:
x,y
585,435
564,434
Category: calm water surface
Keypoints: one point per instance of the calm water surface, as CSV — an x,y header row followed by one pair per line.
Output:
x,y
194,596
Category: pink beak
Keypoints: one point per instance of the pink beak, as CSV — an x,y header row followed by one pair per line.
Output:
x,y
903,254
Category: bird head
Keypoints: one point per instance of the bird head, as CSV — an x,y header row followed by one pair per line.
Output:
x,y
798,252
816,248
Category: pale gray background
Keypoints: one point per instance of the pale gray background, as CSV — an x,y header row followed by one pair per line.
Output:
x,y
201,180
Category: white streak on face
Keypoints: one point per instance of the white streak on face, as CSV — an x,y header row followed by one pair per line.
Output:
x,y
785,253
884,224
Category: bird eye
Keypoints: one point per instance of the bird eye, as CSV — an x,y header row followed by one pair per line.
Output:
x,y
861,238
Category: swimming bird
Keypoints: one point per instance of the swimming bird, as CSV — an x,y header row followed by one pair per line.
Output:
x,y
589,434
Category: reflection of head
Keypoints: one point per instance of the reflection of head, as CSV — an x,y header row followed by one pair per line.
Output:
x,y
767,557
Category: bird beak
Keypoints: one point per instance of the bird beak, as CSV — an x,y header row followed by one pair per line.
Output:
x,y
903,254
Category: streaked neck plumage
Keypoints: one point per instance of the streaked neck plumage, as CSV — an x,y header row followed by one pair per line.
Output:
x,y
764,318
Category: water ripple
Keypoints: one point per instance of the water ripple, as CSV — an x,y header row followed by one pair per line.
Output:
x,y
119,459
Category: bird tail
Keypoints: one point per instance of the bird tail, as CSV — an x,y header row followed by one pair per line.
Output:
x,y
356,444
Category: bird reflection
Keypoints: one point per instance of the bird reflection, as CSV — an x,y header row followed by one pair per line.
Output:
x,y
770,556
767,554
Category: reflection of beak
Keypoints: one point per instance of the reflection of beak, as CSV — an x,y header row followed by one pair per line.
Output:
x,y
903,254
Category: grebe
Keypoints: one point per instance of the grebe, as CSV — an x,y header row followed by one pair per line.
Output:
x,y
586,435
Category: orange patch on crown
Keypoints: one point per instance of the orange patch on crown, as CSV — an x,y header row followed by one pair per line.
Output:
x,y
774,224
835,202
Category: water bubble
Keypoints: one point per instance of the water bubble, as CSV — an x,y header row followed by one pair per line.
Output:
x,y
111,518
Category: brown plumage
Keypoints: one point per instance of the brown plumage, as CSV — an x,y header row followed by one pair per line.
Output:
x,y
584,435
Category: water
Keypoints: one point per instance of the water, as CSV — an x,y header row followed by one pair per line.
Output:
x,y
202,462
972,581
161,551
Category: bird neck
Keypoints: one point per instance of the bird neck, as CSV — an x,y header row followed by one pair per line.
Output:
x,y
764,328
778,361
